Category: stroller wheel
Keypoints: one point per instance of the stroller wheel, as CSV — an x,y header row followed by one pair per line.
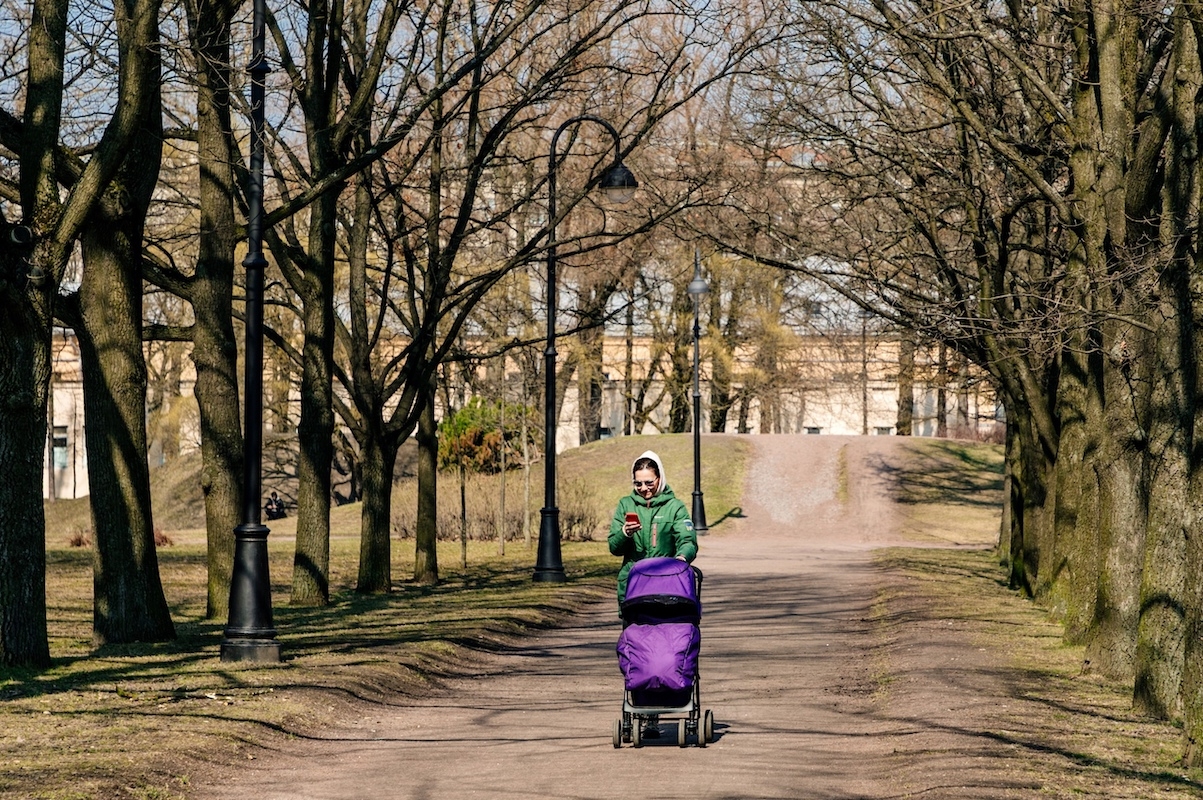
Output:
x,y
626,728
618,732
682,733
707,728
636,734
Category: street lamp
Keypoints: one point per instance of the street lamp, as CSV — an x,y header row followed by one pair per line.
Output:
x,y
697,288
619,186
249,635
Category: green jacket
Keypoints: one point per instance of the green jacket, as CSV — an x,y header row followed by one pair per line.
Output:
x,y
663,519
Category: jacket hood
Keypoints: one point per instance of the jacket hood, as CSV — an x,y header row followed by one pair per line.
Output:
x,y
660,468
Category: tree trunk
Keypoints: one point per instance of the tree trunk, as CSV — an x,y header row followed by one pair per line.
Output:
x,y
1029,494
463,515
128,601
316,428
426,554
906,384
501,526
1161,626
379,458
942,392
24,382
1118,544
678,381
589,383
1071,571
214,348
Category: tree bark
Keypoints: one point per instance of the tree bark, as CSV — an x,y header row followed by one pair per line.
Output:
x,y
426,555
128,601
316,428
24,381
375,550
906,384
214,348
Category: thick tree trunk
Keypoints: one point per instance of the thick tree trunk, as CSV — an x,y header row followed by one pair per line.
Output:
x,y
426,555
214,348
24,382
128,600
1160,643
1029,495
1067,583
379,458
316,429
1117,551
1006,528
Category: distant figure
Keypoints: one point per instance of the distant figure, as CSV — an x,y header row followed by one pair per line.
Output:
x,y
274,507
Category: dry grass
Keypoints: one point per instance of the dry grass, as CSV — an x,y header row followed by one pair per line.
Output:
x,y
1076,733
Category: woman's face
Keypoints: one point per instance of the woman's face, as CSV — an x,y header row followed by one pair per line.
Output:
x,y
646,483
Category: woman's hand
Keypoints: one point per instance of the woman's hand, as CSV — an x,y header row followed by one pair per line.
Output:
x,y
629,528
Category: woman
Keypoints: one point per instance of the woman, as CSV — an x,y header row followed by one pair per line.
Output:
x,y
650,521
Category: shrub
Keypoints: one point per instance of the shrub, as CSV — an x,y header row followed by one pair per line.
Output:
x,y
581,516
474,435
80,537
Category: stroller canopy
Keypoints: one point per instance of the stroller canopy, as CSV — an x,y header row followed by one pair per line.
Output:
x,y
660,589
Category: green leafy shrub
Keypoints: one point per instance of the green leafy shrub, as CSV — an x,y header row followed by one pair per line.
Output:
x,y
475,437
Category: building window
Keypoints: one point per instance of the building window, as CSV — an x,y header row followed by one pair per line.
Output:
x,y
814,430
883,431
60,446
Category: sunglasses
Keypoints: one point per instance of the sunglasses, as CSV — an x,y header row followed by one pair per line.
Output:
x,y
648,484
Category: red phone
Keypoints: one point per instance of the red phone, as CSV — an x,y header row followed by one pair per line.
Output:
x,y
632,517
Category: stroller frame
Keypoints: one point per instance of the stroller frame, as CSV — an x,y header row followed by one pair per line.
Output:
x,y
645,707
694,722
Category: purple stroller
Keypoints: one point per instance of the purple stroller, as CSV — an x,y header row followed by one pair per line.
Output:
x,y
658,652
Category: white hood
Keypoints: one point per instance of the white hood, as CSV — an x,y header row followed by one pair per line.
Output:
x,y
659,465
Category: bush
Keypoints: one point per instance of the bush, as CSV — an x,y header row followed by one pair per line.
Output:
x,y
474,436
80,537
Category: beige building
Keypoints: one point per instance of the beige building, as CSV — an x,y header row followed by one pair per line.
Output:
x,y
844,385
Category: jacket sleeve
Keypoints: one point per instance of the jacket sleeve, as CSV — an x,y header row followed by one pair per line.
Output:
x,y
685,538
620,543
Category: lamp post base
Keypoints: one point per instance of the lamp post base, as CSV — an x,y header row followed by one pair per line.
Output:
x,y
250,634
699,514
549,568
262,651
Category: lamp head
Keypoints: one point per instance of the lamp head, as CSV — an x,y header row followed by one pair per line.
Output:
x,y
698,286
619,183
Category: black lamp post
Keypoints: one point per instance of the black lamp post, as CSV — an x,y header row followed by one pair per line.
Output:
x,y
619,185
697,288
249,635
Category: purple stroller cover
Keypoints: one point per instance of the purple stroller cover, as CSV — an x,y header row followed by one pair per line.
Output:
x,y
663,656
661,576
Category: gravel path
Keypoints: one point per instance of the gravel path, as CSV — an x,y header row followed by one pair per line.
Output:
x,y
790,667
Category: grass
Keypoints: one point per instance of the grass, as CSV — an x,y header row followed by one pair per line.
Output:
x,y
1073,733
949,492
138,721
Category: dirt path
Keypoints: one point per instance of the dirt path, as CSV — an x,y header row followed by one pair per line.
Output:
x,y
792,666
